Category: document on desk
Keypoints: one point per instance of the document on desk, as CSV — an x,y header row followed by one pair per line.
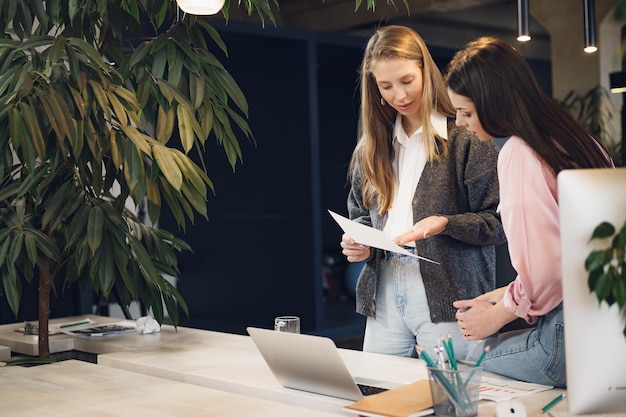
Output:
x,y
500,389
371,237
101,330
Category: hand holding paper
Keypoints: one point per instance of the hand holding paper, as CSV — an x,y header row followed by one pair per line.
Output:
x,y
371,237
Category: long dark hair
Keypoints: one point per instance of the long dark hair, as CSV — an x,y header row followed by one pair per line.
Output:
x,y
509,101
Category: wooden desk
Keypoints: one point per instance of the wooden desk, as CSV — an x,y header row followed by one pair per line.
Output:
x,y
232,363
245,372
75,388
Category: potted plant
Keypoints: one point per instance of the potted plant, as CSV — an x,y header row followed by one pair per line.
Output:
x,y
607,267
594,111
102,106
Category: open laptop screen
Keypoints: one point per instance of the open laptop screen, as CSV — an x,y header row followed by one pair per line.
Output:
x,y
309,363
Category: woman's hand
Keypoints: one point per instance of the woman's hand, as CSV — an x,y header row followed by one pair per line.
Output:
x,y
430,226
355,252
479,319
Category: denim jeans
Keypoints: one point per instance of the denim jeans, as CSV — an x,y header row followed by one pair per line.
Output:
x,y
402,314
534,355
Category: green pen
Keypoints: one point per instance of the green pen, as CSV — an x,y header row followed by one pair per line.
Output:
x,y
78,323
477,364
425,357
436,372
447,344
482,356
552,403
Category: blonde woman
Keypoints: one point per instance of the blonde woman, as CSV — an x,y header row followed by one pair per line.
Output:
x,y
429,185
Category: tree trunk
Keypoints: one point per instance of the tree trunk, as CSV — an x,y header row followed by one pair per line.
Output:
x,y
44,314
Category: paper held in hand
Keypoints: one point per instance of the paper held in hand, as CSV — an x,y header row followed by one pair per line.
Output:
x,y
371,237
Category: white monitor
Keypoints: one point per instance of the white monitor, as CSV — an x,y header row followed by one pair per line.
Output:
x,y
595,347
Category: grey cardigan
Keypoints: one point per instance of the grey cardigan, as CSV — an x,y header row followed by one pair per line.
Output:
x,y
464,188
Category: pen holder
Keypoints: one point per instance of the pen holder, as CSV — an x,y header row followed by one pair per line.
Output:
x,y
455,393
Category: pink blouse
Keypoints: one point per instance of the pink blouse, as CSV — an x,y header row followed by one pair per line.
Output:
x,y
530,216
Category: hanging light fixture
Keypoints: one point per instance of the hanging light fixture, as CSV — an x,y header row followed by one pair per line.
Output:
x,y
200,7
589,14
523,34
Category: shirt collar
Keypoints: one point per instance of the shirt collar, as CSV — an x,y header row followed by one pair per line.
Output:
x,y
440,124
438,121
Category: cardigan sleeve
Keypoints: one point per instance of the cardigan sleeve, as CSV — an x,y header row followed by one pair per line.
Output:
x,y
474,219
530,216
356,208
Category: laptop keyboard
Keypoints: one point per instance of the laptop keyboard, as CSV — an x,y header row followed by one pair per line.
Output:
x,y
370,389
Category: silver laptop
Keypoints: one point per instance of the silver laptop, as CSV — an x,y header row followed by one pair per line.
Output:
x,y
312,363
595,348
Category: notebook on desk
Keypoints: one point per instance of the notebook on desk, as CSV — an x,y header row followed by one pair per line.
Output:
x,y
311,363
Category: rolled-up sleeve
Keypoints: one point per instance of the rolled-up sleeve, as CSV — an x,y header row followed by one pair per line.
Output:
x,y
530,217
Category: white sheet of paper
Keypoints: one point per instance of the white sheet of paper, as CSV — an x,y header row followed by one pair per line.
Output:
x,y
371,237
499,389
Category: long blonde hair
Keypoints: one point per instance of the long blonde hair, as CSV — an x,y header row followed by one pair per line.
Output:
x,y
374,149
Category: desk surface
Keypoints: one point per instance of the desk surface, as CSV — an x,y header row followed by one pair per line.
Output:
x,y
211,365
232,363
75,388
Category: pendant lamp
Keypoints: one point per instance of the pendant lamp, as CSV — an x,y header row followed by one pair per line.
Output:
x,y
200,7
589,14
523,34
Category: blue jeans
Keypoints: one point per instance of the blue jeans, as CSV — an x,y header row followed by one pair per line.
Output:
x,y
402,314
533,355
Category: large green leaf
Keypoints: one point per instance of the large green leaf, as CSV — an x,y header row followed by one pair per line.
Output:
x,y
134,170
34,131
11,290
603,230
95,226
9,191
167,164
5,244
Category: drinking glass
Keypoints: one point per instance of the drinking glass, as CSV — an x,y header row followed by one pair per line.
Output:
x,y
289,324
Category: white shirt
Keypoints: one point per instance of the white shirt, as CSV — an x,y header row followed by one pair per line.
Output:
x,y
408,165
